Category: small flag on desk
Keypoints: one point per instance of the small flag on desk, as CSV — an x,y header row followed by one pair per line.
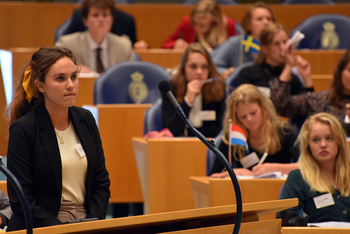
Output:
x,y
250,44
237,136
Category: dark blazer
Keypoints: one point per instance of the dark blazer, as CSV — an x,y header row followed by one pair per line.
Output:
x,y
34,158
171,119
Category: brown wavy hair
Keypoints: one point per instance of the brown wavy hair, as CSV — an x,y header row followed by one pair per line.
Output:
x,y
100,4
248,16
39,65
266,37
211,92
336,94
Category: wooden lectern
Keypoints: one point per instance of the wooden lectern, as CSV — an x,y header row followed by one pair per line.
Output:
x,y
117,124
208,192
211,220
165,166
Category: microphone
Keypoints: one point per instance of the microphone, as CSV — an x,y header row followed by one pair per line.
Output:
x,y
164,86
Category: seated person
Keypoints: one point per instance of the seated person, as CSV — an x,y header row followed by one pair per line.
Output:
x,y
232,53
324,171
266,132
5,210
206,24
200,90
123,25
271,62
335,101
97,48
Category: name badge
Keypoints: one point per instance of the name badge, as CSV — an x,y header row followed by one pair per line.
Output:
x,y
207,115
249,160
80,150
265,90
323,200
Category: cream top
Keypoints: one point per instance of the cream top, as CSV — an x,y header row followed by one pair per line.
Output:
x,y
74,165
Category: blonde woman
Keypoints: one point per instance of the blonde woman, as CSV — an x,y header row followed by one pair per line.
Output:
x,y
324,171
206,24
200,90
266,132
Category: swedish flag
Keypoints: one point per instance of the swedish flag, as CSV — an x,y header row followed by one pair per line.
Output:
x,y
250,44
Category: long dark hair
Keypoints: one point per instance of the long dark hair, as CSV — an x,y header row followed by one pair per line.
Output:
x,y
336,94
38,66
212,92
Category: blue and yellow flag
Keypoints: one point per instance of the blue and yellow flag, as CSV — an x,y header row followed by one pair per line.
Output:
x,y
250,44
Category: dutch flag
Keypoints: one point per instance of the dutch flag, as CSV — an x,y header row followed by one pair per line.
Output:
x,y
237,136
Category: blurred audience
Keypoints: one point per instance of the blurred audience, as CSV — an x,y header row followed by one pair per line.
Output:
x,y
335,101
245,47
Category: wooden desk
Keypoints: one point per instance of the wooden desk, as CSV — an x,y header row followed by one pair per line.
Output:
x,y
322,82
314,230
118,123
3,186
86,91
322,62
164,167
32,24
208,192
207,220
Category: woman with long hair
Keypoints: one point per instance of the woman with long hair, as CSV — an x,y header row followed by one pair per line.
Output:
x,y
206,25
54,148
322,182
266,133
200,90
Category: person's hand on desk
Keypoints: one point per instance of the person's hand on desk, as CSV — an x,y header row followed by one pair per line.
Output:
x,y
141,45
180,44
238,172
264,168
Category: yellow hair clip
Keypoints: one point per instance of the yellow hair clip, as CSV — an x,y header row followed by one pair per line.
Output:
x,y
26,84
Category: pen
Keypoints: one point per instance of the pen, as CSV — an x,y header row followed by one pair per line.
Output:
x,y
209,80
263,158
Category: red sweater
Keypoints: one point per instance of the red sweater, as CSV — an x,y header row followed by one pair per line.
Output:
x,y
186,32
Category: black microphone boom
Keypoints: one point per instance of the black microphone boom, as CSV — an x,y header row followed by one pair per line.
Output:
x,y
164,86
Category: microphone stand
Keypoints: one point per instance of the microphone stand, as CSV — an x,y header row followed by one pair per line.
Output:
x,y
24,201
211,145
